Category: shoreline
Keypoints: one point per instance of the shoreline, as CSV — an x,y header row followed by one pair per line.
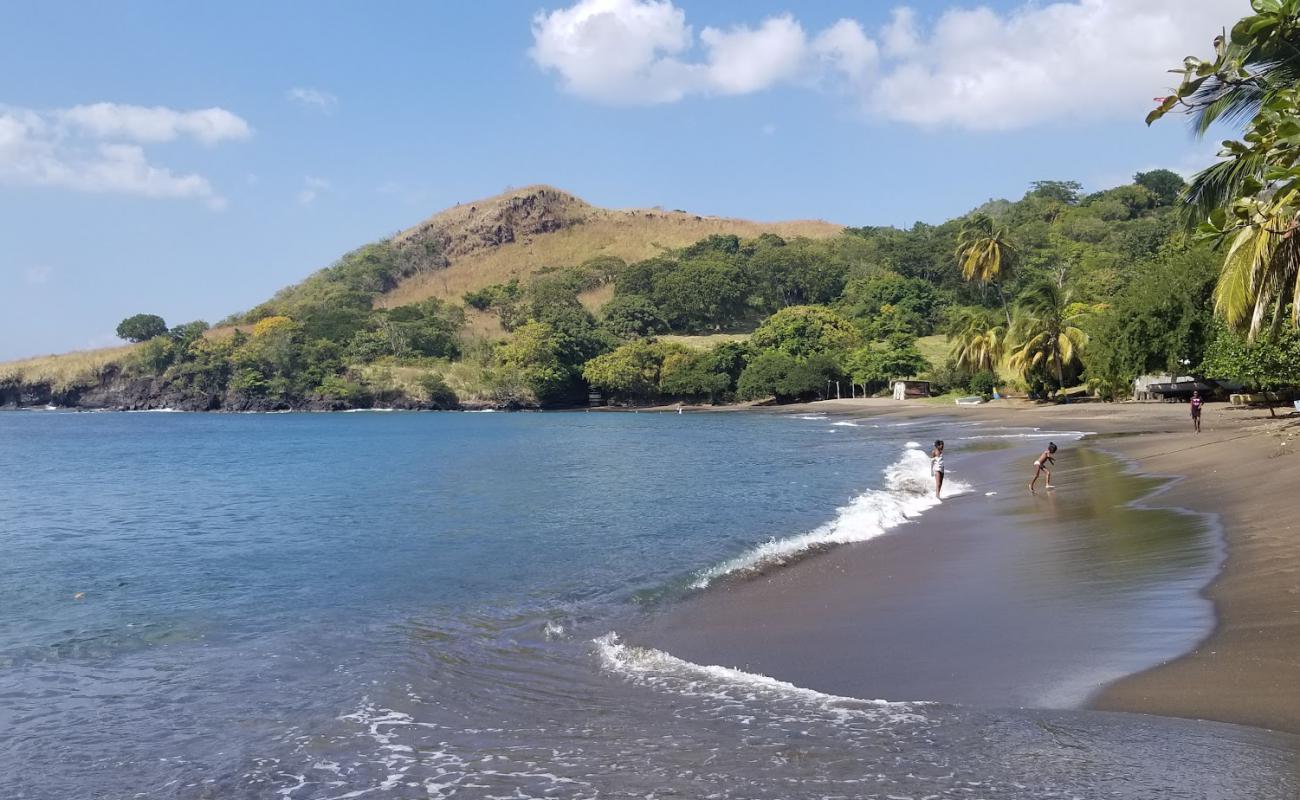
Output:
x,y
994,598
1246,670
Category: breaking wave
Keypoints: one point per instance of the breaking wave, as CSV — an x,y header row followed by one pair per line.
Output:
x,y
907,493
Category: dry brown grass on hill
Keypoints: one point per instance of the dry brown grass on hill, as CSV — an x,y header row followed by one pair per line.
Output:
x,y
517,233
704,341
594,299
63,370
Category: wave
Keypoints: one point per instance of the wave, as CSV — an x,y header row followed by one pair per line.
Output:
x,y
660,670
909,490
1036,433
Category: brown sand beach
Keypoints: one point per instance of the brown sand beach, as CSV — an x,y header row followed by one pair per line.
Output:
x,y
997,597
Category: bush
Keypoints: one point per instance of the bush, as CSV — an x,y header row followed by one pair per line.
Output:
x,y
437,392
155,355
983,383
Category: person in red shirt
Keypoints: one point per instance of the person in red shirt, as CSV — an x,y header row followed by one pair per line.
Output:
x,y
1196,411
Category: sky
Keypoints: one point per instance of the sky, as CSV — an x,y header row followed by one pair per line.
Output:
x,y
189,159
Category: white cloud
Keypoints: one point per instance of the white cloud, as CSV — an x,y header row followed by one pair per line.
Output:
x,y
968,67
95,148
316,99
845,48
1080,60
155,124
743,60
312,188
616,51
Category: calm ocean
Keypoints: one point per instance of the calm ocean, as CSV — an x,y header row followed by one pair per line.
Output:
x,y
397,605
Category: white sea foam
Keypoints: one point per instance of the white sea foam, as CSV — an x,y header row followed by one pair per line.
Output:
x,y
660,670
811,417
908,492
847,423
1034,434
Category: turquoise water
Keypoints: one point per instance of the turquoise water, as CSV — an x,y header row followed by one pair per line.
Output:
x,y
419,605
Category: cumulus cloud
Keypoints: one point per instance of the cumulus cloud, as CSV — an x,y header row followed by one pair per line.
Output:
x,y
315,99
154,124
99,148
967,67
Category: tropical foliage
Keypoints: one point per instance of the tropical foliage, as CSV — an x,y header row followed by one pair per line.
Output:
x,y
1248,203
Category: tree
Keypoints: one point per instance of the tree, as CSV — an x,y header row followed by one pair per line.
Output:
x,y
1046,331
781,375
1156,323
630,371
883,362
986,254
1064,192
1164,184
1265,364
534,352
140,327
803,331
886,302
692,374
977,340
630,316
1250,200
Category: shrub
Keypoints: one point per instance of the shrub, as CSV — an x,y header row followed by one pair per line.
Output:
x,y
983,383
437,392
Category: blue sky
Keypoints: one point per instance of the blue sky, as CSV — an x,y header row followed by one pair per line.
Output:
x,y
190,159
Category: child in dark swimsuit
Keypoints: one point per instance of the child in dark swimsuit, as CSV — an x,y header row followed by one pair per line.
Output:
x,y
1196,411
1040,466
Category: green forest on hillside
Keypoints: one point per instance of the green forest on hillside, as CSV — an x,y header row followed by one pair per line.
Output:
x,y
1054,290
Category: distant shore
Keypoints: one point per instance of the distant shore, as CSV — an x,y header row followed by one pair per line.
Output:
x,y
1242,470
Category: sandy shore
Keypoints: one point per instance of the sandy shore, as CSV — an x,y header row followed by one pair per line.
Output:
x,y
1242,468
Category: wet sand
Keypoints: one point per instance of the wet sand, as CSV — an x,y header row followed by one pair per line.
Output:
x,y
972,637
997,598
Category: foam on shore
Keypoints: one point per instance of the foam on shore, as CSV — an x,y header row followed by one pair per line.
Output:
x,y
909,491
660,670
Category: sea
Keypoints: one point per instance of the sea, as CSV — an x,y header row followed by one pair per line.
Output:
x,y
437,605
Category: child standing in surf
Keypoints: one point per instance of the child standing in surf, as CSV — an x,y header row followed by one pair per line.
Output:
x,y
1040,466
936,466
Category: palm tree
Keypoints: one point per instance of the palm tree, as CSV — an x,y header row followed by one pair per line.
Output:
x,y
1261,272
1256,67
986,254
977,340
1046,330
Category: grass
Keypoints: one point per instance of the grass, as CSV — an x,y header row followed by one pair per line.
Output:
x,y
934,348
469,380
704,341
65,370
585,232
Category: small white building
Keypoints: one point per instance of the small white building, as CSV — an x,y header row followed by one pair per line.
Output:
x,y
908,390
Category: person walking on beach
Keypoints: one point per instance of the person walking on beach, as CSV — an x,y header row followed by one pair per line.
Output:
x,y
936,466
1040,466
1196,411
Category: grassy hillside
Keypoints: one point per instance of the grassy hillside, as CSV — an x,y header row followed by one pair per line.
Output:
x,y
517,233
63,370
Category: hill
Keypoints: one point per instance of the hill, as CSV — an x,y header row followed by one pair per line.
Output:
x,y
514,234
